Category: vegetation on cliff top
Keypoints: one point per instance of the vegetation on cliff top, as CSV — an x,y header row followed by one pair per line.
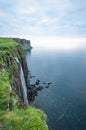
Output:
x,y
11,117
7,42
29,118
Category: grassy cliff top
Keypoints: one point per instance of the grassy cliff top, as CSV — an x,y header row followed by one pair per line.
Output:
x,y
7,42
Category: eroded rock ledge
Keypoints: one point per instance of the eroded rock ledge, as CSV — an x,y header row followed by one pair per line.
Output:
x,y
26,44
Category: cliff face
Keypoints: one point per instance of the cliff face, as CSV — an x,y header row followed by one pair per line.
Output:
x,y
26,44
14,114
16,80
24,64
9,50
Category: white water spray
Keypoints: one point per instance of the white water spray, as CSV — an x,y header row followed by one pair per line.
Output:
x,y
23,83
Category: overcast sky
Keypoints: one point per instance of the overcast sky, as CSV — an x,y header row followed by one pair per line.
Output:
x,y
43,18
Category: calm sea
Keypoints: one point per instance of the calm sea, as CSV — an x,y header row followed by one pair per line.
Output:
x,y
64,101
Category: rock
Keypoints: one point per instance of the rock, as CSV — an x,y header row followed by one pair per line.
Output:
x,y
44,83
38,80
32,92
37,83
47,86
16,80
23,42
33,76
49,83
39,88
24,64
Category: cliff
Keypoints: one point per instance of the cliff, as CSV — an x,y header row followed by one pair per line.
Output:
x,y
26,44
9,50
14,114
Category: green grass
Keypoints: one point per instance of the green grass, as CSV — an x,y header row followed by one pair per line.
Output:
x,y
4,90
7,47
24,119
7,42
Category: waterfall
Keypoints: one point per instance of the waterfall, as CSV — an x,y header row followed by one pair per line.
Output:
x,y
23,83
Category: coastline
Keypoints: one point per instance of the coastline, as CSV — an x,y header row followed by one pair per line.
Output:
x,y
12,108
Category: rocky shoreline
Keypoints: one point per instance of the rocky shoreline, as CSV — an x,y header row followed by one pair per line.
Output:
x,y
37,86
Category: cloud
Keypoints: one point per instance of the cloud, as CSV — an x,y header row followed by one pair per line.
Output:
x,y
43,17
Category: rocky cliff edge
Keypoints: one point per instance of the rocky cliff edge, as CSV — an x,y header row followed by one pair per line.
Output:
x,y
14,114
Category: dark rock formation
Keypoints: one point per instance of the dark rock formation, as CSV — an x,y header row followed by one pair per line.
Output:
x,y
23,42
49,83
44,83
15,77
14,69
16,83
24,64
37,83
47,86
39,88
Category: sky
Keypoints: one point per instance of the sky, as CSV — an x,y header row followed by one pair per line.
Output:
x,y
43,19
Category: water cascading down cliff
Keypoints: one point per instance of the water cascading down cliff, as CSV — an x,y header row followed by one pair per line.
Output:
x,y
24,88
